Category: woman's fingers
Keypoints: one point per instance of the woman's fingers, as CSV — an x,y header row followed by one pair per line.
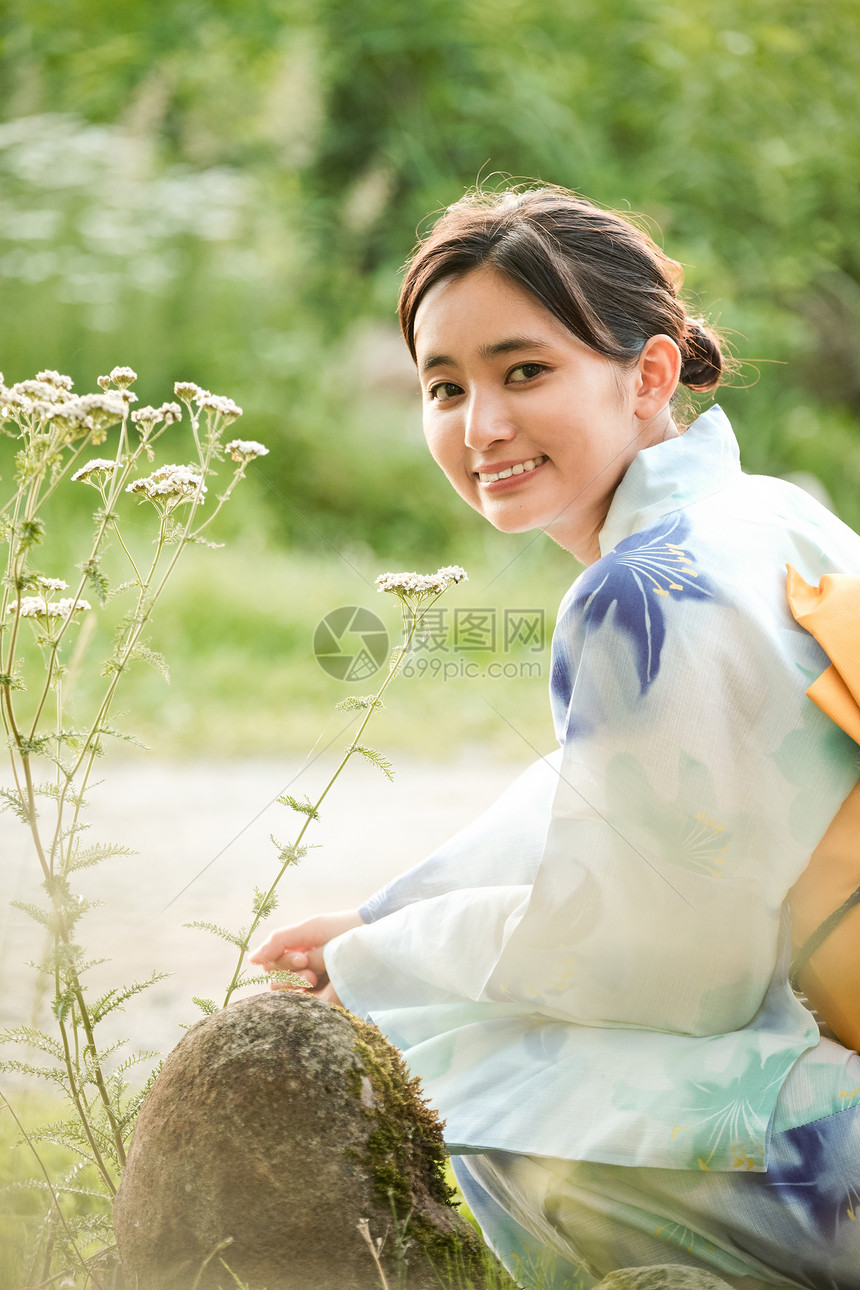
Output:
x,y
313,932
282,941
315,960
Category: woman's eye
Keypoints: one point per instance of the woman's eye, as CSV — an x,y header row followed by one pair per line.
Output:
x,y
525,372
444,390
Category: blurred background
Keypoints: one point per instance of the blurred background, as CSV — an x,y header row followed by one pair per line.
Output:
x,y
224,190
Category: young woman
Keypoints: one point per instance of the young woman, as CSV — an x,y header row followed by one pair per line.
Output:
x,y
592,980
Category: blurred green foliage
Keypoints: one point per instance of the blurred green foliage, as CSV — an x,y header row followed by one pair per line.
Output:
x,y
224,191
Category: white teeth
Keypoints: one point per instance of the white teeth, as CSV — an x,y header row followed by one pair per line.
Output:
x,y
519,469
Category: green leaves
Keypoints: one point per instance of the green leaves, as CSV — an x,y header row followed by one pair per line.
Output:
x,y
115,999
264,903
375,758
87,857
305,807
359,703
96,579
207,1006
289,853
11,800
153,658
232,938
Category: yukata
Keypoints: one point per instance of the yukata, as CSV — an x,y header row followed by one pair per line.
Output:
x,y
592,979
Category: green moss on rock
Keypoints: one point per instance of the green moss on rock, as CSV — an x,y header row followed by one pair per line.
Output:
x,y
407,1135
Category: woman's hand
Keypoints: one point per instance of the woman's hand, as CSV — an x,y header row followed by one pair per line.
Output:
x,y
299,949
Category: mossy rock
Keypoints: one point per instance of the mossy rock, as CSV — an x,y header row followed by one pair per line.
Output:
x,y
276,1128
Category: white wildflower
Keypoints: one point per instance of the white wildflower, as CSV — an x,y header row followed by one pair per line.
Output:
x,y
29,607
421,584
92,412
50,377
170,413
123,377
94,467
30,392
451,574
246,449
39,607
219,404
180,482
149,416
67,607
52,584
187,390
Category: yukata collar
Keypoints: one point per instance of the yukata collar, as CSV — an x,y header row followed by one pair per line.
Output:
x,y
661,479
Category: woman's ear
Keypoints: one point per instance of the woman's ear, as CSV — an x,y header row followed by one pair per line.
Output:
x,y
657,374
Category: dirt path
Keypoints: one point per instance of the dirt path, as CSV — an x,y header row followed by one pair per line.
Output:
x,y
202,833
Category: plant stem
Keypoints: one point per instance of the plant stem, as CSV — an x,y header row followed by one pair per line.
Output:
x,y
80,1105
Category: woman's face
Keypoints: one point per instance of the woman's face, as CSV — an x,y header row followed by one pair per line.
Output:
x,y
532,427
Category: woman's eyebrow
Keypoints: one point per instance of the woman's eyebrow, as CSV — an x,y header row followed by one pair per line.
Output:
x,y
509,346
512,345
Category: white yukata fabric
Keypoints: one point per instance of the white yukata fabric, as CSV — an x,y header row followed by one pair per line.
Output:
x,y
612,986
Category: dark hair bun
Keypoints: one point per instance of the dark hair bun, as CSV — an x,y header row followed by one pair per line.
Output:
x,y
702,359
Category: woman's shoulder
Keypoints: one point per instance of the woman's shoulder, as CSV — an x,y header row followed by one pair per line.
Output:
x,y
700,580
741,534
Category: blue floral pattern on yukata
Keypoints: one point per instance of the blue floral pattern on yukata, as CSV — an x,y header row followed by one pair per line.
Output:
x,y
639,577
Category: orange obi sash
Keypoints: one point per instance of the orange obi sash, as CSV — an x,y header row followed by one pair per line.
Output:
x,y
825,900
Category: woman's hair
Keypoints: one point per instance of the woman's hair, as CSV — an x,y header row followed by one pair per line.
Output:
x,y
605,279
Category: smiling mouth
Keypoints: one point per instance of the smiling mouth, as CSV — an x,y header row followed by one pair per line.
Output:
x,y
520,468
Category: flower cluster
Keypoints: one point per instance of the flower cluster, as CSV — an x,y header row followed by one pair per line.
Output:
x,y
246,450
52,584
190,393
169,413
219,403
180,482
97,466
27,393
39,607
187,391
51,400
93,412
422,584
55,379
121,377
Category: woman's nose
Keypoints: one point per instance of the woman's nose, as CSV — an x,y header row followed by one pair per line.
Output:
x,y
487,422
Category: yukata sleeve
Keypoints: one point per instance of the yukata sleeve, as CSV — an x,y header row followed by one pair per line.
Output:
x,y
696,779
502,846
